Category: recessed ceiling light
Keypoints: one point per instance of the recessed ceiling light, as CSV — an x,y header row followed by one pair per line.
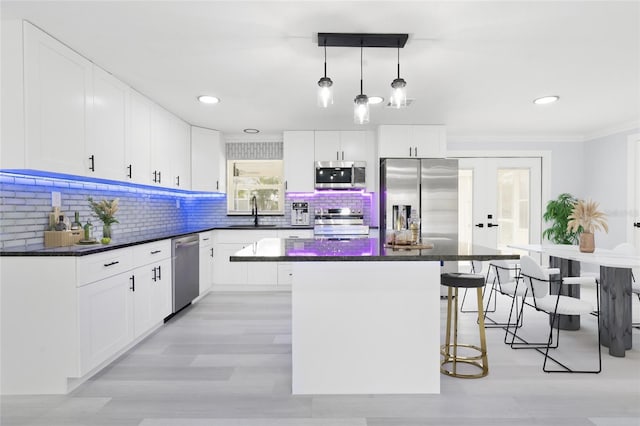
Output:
x,y
373,100
546,100
251,131
207,99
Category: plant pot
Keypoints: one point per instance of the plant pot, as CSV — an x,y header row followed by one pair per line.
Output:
x,y
587,242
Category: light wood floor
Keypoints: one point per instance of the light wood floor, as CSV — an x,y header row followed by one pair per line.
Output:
x,y
226,361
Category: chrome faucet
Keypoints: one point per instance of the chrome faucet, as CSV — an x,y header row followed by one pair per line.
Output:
x,y
254,210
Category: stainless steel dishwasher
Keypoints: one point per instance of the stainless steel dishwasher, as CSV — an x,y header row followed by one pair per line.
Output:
x,y
185,256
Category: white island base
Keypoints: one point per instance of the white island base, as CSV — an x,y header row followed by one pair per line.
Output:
x,y
366,327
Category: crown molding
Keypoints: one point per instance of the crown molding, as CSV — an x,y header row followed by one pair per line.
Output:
x,y
512,138
612,130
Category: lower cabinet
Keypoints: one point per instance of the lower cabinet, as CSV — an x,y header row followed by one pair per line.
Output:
x,y
151,290
254,274
106,319
207,261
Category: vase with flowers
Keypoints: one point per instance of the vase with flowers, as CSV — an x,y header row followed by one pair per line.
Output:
x,y
585,218
105,210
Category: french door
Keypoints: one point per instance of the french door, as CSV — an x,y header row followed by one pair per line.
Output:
x,y
499,201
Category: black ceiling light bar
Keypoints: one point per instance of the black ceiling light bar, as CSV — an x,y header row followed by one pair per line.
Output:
x,y
362,40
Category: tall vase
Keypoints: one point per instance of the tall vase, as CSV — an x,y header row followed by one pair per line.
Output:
x,y
587,242
106,231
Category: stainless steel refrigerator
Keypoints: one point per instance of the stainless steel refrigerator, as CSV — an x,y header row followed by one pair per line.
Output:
x,y
429,186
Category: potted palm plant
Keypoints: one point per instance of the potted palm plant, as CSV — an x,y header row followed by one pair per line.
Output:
x,y
585,219
557,215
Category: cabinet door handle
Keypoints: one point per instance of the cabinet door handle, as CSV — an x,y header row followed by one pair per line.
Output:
x,y
337,155
155,176
115,262
133,283
159,177
637,224
343,155
410,152
129,168
177,180
480,225
211,251
286,185
217,186
154,278
492,225
159,272
156,251
416,149
92,167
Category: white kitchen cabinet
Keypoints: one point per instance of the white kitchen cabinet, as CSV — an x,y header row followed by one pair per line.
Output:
x,y
106,141
341,145
208,164
285,269
180,154
105,318
138,147
421,141
160,147
228,242
207,261
161,291
298,154
151,285
58,99
170,150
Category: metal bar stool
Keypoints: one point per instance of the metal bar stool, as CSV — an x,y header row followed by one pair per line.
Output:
x,y
449,350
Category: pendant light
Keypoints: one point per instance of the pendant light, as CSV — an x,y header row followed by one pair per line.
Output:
x,y
361,102
398,97
325,85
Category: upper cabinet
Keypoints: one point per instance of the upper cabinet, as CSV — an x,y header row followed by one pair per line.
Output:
x,y
138,152
298,157
106,141
81,120
207,160
336,145
355,145
170,150
58,96
421,141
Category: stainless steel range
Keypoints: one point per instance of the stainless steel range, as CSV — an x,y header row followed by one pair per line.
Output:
x,y
340,222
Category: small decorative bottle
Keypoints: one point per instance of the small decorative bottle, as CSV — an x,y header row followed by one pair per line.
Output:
x,y
76,222
60,226
88,231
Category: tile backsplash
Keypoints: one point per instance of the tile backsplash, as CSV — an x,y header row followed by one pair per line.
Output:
x,y
25,203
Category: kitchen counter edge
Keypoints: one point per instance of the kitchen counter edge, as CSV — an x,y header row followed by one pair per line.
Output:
x,y
85,250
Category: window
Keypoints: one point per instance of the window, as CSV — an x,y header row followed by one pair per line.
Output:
x,y
263,179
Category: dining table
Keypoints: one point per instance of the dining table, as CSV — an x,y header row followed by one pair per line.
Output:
x,y
615,288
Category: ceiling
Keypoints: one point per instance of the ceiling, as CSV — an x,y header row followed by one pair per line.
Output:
x,y
474,66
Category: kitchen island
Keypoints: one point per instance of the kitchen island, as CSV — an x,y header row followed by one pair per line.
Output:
x,y
365,318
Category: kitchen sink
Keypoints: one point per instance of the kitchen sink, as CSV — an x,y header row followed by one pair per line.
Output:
x,y
252,226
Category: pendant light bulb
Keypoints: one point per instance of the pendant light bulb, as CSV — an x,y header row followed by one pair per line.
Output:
x,y
325,85
361,102
398,98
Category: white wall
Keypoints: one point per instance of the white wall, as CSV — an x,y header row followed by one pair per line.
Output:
x,y
595,169
606,181
566,160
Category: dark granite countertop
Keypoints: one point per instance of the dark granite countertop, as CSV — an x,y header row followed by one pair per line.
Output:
x,y
359,249
127,240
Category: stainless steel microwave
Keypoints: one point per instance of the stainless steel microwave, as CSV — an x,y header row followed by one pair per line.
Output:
x,y
340,174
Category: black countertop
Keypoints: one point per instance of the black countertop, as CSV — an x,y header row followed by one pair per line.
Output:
x,y
127,240
359,249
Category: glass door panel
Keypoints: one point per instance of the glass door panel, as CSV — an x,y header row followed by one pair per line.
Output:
x,y
499,201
